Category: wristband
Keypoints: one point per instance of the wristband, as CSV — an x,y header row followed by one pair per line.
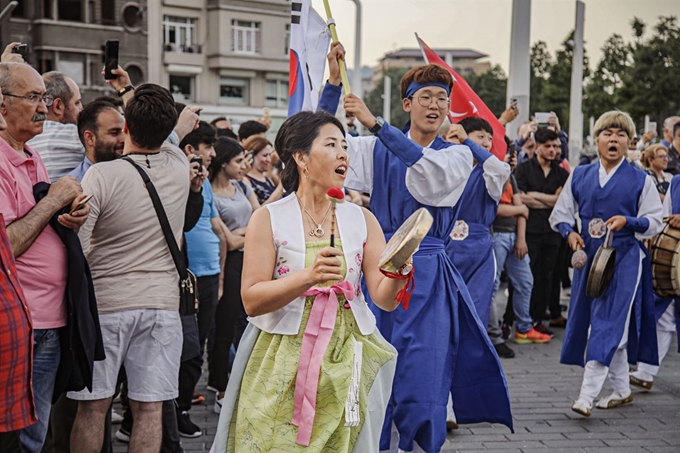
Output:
x,y
125,90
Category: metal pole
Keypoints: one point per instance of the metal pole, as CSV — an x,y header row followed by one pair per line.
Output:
x,y
519,77
387,99
8,9
356,83
575,105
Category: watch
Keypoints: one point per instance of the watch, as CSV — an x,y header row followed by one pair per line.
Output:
x,y
124,90
379,122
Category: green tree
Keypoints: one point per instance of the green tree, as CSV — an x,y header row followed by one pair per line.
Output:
x,y
374,99
491,87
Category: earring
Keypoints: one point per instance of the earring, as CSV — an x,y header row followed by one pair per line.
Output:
x,y
306,172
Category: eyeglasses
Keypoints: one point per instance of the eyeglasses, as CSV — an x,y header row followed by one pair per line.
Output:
x,y
662,156
35,98
426,100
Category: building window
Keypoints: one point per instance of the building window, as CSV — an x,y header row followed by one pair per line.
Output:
x,y
245,37
179,34
276,93
136,74
233,91
71,10
46,9
182,88
287,42
73,65
19,10
108,12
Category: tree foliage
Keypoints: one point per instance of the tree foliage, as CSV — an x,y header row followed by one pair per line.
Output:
x,y
374,99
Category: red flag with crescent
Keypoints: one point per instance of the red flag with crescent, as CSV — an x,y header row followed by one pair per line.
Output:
x,y
465,102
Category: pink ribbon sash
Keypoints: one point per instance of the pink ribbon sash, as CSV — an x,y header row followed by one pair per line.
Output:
x,y
315,340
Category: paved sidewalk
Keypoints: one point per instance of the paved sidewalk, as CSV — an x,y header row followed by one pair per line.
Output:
x,y
541,392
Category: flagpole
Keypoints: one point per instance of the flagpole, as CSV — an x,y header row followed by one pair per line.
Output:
x,y
334,37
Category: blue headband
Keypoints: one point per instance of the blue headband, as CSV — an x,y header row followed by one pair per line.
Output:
x,y
415,86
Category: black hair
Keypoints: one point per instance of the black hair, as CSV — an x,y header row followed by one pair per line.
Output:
x,y
544,135
676,128
88,118
473,124
227,133
179,107
117,103
249,128
225,150
296,135
204,133
214,122
150,116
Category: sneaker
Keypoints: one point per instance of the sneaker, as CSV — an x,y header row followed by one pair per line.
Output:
x,y
123,435
451,425
582,407
531,336
504,351
505,331
197,398
615,400
560,322
539,326
218,404
116,418
211,388
186,427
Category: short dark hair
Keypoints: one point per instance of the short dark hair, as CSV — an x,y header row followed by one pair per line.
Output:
x,y
676,128
117,103
227,133
179,107
428,73
544,135
225,150
214,122
56,86
249,128
150,116
87,118
204,133
296,135
473,124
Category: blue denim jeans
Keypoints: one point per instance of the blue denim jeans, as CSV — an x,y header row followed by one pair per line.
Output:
x,y
519,273
46,355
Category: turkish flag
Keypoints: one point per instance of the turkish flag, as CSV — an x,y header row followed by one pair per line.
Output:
x,y
466,103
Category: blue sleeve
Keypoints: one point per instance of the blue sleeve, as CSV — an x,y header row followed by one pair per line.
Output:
x,y
400,145
330,98
519,143
564,140
173,138
565,229
639,225
478,152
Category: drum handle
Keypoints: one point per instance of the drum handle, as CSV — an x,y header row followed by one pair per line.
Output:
x,y
609,238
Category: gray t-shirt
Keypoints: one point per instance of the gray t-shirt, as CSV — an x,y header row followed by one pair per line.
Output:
x,y
236,210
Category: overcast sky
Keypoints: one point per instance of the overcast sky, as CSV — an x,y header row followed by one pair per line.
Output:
x,y
484,25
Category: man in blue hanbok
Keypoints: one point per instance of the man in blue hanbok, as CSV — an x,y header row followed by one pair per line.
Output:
x,y
605,333
443,347
667,309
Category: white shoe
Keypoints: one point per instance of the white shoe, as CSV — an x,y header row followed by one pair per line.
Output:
x,y
116,418
211,388
615,400
582,407
218,404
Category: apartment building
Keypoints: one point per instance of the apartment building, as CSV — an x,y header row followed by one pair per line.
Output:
x,y
69,35
229,56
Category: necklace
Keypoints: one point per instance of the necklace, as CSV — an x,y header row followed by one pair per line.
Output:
x,y
316,231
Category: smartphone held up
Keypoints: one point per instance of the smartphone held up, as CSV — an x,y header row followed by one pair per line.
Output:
x,y
110,59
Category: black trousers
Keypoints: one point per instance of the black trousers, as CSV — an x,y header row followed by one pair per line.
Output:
x,y
230,320
208,289
9,442
189,375
561,267
543,253
509,315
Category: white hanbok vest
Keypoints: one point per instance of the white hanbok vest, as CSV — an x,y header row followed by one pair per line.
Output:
x,y
289,241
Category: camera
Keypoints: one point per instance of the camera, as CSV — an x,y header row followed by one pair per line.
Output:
x,y
22,50
200,162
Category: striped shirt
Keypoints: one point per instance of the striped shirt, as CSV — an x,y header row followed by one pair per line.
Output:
x,y
60,148
17,409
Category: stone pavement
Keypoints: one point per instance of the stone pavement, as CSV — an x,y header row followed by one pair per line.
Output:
x,y
541,392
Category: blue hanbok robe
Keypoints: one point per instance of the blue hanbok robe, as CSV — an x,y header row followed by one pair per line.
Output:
x,y
606,316
473,256
443,347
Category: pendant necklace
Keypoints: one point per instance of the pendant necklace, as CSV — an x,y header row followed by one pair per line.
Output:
x,y
316,231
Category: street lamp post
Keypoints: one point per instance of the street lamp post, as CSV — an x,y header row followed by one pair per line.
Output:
x,y
356,83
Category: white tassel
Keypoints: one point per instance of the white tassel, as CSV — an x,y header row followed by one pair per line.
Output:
x,y
352,417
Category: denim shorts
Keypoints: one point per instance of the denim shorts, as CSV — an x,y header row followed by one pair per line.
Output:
x,y
149,343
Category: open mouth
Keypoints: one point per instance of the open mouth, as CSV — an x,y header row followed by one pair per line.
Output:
x,y
432,117
613,149
341,170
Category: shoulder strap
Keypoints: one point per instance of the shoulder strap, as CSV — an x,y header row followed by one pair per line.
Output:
x,y
163,219
242,185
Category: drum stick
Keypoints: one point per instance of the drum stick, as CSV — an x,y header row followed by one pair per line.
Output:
x,y
334,38
335,196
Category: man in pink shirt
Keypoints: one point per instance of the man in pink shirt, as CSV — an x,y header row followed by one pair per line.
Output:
x,y
39,252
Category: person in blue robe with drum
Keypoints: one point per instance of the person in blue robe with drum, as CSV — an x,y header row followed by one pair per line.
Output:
x,y
667,309
443,347
605,333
